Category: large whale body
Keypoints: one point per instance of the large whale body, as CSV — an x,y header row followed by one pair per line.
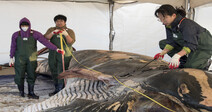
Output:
x,y
113,81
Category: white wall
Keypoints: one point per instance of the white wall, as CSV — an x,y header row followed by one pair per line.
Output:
x,y
203,16
138,31
90,21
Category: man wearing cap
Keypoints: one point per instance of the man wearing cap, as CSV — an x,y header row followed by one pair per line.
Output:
x,y
24,48
55,59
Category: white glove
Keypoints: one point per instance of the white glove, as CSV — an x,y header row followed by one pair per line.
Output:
x,y
11,63
175,62
65,33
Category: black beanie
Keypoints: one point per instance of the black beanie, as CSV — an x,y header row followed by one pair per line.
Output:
x,y
62,17
25,23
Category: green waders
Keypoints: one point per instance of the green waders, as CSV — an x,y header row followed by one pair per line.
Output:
x,y
55,62
197,59
25,61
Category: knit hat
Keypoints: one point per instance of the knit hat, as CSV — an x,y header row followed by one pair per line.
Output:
x,y
24,23
62,17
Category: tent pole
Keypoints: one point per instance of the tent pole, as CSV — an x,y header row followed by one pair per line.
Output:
x,y
188,9
112,32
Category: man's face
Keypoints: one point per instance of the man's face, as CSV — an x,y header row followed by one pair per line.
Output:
x,y
60,23
167,19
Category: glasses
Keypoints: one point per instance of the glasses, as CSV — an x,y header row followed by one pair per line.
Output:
x,y
159,20
162,19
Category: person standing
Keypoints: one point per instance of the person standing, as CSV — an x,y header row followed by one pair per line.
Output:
x,y
24,49
55,59
188,43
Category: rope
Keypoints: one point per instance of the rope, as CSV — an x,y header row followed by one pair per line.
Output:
x,y
61,44
144,95
122,83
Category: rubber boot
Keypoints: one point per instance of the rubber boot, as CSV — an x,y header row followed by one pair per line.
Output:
x,y
21,90
55,90
182,61
31,93
58,87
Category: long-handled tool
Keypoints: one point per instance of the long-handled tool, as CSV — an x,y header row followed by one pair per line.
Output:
x,y
138,68
61,44
148,63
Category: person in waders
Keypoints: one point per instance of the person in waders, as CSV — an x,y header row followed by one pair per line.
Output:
x,y
24,48
189,44
55,59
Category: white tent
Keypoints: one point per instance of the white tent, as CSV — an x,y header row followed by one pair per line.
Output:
x,y
136,29
193,3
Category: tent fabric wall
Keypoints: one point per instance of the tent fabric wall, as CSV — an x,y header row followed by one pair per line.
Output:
x,y
90,21
193,3
177,3
203,16
138,31
197,3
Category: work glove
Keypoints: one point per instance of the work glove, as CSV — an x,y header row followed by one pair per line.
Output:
x,y
61,51
65,33
11,63
158,56
57,31
175,62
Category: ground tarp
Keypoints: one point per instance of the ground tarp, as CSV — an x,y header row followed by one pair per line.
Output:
x,y
10,101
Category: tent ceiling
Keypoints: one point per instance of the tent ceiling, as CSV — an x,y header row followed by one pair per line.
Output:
x,y
193,3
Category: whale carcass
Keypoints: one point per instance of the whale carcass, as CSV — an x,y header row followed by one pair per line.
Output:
x,y
113,81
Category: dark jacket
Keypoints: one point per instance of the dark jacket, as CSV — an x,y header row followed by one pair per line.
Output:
x,y
189,29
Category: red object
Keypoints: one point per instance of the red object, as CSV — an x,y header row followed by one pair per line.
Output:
x,y
157,56
172,66
12,65
61,52
58,32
